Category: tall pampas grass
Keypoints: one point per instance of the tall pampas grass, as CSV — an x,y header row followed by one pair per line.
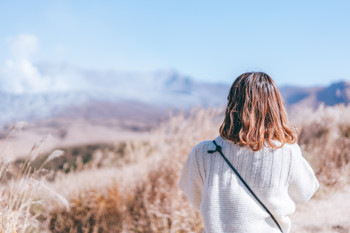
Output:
x,y
145,187
21,202
324,136
133,187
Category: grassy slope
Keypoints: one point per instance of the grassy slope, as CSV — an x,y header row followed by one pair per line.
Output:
x,y
137,192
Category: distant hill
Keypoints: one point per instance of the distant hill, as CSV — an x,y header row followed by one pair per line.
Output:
x,y
331,95
138,96
127,95
335,94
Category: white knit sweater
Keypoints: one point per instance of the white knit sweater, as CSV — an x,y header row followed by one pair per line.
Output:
x,y
281,178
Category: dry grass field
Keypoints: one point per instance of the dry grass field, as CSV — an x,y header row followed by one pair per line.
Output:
x,y
131,186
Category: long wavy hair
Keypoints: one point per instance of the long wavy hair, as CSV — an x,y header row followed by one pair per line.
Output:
x,y
255,115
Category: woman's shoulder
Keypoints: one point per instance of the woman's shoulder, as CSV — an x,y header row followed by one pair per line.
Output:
x,y
204,146
293,148
286,147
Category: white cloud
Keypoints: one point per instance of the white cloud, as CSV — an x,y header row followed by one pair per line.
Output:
x,y
22,46
20,75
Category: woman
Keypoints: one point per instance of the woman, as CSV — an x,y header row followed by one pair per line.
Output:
x,y
257,140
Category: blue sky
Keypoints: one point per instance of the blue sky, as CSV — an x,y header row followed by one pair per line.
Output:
x,y
296,42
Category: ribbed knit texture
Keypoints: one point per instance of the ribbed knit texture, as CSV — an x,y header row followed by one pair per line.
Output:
x,y
281,178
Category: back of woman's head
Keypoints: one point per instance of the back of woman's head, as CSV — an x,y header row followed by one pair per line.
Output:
x,y
256,114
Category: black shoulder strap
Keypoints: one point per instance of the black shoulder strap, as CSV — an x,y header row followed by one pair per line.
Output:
x,y
218,149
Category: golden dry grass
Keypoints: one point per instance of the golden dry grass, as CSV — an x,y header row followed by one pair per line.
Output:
x,y
324,136
138,191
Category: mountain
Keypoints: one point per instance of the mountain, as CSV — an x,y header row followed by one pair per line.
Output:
x,y
312,97
335,94
71,92
109,94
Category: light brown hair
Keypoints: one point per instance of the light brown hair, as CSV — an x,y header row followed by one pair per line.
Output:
x,y
256,114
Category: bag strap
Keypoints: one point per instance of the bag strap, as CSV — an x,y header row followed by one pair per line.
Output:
x,y
218,149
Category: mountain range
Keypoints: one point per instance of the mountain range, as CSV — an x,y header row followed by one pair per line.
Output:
x,y
136,95
312,97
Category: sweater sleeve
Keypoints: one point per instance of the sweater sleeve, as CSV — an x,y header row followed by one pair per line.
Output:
x,y
191,181
303,183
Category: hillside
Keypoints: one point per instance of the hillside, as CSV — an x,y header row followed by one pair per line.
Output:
x,y
131,186
312,97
